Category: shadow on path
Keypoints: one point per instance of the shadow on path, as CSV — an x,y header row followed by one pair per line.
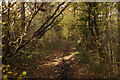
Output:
x,y
61,64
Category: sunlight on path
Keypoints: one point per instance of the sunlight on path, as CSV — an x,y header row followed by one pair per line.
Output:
x,y
59,60
61,64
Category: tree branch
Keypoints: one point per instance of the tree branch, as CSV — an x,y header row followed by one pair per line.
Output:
x,y
36,33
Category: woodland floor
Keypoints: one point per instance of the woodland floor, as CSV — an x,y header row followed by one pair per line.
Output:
x,y
61,64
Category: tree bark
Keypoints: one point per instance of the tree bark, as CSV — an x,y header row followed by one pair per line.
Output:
x,y
22,15
118,58
118,55
6,50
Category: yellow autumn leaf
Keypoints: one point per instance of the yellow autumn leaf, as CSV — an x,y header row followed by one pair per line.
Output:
x,y
19,78
5,76
3,65
9,72
15,73
24,73
20,75
4,70
8,65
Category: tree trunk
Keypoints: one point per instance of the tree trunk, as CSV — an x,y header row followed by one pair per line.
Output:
x,y
22,15
6,39
118,54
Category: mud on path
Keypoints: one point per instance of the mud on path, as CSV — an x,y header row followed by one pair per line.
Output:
x,y
61,64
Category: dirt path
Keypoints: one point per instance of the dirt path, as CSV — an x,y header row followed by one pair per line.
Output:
x,y
61,64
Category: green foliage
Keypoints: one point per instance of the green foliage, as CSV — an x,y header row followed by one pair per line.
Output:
x,y
82,57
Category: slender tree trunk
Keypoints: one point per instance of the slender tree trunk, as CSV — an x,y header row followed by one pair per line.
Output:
x,y
119,30
118,54
7,50
6,39
22,11
93,27
90,26
107,40
22,15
